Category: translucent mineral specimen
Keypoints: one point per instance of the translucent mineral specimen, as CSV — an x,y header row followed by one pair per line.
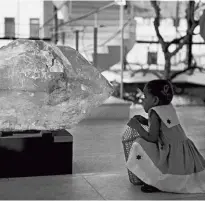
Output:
x,y
44,87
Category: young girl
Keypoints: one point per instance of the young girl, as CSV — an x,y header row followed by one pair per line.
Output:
x,y
164,158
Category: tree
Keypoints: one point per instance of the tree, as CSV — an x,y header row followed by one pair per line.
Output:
x,y
186,39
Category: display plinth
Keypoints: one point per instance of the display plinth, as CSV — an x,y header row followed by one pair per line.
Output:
x,y
35,153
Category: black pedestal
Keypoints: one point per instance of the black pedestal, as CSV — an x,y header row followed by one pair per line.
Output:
x,y
31,153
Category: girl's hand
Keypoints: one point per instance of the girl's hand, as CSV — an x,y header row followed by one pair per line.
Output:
x,y
141,119
134,123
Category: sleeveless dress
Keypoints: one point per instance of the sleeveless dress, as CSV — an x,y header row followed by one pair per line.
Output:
x,y
173,164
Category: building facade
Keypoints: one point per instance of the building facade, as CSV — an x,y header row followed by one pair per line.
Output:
x,y
24,19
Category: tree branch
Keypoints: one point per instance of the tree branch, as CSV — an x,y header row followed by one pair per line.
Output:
x,y
192,10
190,13
145,71
197,6
185,70
185,39
175,41
156,25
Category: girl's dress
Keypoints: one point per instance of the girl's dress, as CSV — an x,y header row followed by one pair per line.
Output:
x,y
173,164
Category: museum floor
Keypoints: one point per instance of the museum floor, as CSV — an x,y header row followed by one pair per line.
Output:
x,y
98,165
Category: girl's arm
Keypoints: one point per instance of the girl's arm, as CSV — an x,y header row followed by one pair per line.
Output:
x,y
154,130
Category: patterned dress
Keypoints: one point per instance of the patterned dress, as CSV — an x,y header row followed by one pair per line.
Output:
x,y
173,164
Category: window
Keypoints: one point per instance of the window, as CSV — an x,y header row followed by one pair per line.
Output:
x,y
34,27
9,27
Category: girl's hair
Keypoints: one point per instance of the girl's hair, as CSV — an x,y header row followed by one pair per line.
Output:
x,y
163,89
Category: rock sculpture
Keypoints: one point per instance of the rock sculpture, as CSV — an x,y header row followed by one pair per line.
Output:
x,y
44,87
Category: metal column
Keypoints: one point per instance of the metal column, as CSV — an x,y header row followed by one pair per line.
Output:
x,y
55,24
95,42
76,39
122,48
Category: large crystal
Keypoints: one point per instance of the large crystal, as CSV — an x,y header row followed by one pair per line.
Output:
x,y
46,87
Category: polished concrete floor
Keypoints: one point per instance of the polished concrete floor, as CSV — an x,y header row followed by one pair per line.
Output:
x,y
99,166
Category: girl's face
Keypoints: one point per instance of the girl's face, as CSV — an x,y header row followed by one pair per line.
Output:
x,y
149,100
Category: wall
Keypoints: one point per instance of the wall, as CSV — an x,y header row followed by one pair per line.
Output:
x,y
22,11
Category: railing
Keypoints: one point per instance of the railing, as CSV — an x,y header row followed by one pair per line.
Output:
x,y
93,12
